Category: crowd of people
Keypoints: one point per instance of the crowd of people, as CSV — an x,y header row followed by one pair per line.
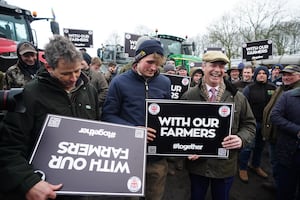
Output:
x,y
265,112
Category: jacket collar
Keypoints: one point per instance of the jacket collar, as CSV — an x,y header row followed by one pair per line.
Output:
x,y
228,86
44,75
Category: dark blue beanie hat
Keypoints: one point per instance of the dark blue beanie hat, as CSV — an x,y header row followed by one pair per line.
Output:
x,y
257,69
148,47
241,66
277,66
87,58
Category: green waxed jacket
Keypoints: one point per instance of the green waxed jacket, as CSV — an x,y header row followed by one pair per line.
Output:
x,y
269,131
19,131
243,125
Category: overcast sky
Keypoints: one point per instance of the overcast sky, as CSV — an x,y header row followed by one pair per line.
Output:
x,y
174,17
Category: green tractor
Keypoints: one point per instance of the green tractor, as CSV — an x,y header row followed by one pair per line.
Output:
x,y
180,50
176,48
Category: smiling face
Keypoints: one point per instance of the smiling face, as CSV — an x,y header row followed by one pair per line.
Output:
x,y
247,74
29,58
182,72
290,78
197,76
234,74
275,72
213,73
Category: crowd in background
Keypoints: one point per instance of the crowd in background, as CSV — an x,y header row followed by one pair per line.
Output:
x,y
266,97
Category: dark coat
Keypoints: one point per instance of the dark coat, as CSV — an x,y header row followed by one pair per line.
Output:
x,y
259,95
285,115
269,131
98,80
243,125
20,131
125,101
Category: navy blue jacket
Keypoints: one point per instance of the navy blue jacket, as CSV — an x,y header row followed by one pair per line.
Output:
x,y
125,101
285,115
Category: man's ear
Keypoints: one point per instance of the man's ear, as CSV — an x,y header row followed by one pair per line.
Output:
x,y
48,68
134,65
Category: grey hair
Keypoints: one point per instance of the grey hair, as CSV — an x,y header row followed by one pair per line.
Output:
x,y
60,47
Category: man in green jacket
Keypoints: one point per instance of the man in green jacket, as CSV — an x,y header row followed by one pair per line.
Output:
x,y
219,173
59,89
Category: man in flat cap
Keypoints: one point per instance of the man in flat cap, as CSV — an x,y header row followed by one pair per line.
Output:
x,y
285,116
290,80
219,173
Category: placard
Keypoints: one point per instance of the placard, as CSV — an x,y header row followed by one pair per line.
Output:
x,y
188,127
130,43
91,157
179,85
80,38
257,50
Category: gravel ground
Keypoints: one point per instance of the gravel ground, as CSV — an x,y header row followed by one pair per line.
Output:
x,y
178,185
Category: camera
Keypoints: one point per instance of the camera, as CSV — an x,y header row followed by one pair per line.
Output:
x,y
12,100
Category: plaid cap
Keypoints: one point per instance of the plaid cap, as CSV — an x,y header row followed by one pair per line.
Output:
x,y
215,56
291,69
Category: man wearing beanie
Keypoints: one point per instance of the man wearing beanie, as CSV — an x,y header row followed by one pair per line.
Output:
x,y
276,76
125,104
169,69
258,94
87,58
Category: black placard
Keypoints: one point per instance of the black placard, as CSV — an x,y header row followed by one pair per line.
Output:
x,y
91,157
188,127
80,38
257,50
179,85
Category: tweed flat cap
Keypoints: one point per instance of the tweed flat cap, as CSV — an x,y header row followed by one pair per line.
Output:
x,y
215,56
